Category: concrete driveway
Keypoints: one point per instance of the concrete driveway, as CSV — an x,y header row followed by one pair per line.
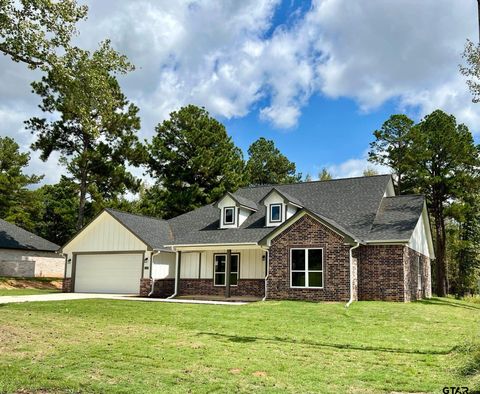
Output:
x,y
83,296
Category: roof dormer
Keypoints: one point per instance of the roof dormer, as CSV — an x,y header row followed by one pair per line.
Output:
x,y
234,210
280,206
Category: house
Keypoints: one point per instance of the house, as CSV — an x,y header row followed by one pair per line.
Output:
x,y
339,240
24,254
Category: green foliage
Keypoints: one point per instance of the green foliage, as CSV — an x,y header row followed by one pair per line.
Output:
x,y
193,161
16,200
324,175
391,147
32,31
471,70
267,165
370,172
59,210
95,131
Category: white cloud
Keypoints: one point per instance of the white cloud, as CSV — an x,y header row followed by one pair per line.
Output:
x,y
354,167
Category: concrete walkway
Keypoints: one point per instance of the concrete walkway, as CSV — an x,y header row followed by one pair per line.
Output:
x,y
123,297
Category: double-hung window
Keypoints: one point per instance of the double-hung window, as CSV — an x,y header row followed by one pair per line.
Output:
x,y
306,267
229,215
275,212
220,268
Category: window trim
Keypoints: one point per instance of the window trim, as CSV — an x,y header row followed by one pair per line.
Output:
x,y
281,212
225,215
419,273
306,268
238,268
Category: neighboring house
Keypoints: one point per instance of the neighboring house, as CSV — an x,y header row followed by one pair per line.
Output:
x,y
24,254
337,240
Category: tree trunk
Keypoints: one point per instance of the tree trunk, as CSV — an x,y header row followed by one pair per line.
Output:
x,y
83,200
440,251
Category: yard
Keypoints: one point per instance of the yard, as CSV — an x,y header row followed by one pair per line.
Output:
x,y
28,286
149,347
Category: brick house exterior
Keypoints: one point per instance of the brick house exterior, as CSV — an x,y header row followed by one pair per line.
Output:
x,y
341,240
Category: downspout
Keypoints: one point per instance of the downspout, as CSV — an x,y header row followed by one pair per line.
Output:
x,y
177,264
152,285
351,274
267,257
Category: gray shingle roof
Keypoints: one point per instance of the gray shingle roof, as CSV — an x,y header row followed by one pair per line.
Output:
x,y
244,201
396,218
352,203
14,237
153,231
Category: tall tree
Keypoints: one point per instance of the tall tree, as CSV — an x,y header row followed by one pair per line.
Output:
x,y
369,171
32,31
443,166
267,165
16,200
193,160
93,126
59,209
391,147
325,175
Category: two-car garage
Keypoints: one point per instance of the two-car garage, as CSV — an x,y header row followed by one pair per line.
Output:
x,y
108,273
113,253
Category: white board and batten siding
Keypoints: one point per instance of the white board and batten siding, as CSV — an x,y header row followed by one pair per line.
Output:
x,y
199,265
421,240
163,265
104,234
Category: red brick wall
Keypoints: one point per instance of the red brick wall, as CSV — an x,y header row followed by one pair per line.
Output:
x,y
381,273
163,287
412,292
307,232
246,287
67,285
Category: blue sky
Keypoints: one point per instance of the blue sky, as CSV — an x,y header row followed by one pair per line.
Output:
x,y
317,77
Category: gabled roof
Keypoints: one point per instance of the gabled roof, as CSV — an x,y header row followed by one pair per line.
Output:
x,y
153,231
351,203
396,218
285,195
242,201
14,237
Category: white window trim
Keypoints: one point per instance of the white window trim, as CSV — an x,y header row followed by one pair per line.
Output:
x,y
225,216
281,212
307,270
225,273
419,273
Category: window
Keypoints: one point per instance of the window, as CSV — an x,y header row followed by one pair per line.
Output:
x,y
221,267
306,268
229,215
419,272
275,212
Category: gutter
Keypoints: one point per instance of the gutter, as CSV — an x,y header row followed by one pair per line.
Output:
x,y
152,285
177,275
351,274
267,256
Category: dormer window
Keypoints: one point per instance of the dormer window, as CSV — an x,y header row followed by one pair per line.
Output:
x,y
229,215
275,213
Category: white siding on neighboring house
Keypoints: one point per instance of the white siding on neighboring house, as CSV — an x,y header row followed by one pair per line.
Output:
x,y
163,266
421,236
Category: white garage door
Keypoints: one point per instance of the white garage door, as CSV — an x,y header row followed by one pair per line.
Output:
x,y
108,273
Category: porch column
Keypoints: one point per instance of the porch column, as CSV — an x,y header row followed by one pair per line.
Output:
x,y
228,269
177,273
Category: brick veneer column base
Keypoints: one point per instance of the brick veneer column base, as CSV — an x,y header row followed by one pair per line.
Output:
x,y
163,287
67,285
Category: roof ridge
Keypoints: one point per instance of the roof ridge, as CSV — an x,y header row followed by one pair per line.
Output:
x,y
407,195
136,214
306,182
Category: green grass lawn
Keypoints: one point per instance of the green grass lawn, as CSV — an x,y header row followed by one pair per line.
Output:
x,y
146,347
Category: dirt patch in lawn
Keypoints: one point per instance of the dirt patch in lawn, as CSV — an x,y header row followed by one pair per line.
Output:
x,y
30,283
